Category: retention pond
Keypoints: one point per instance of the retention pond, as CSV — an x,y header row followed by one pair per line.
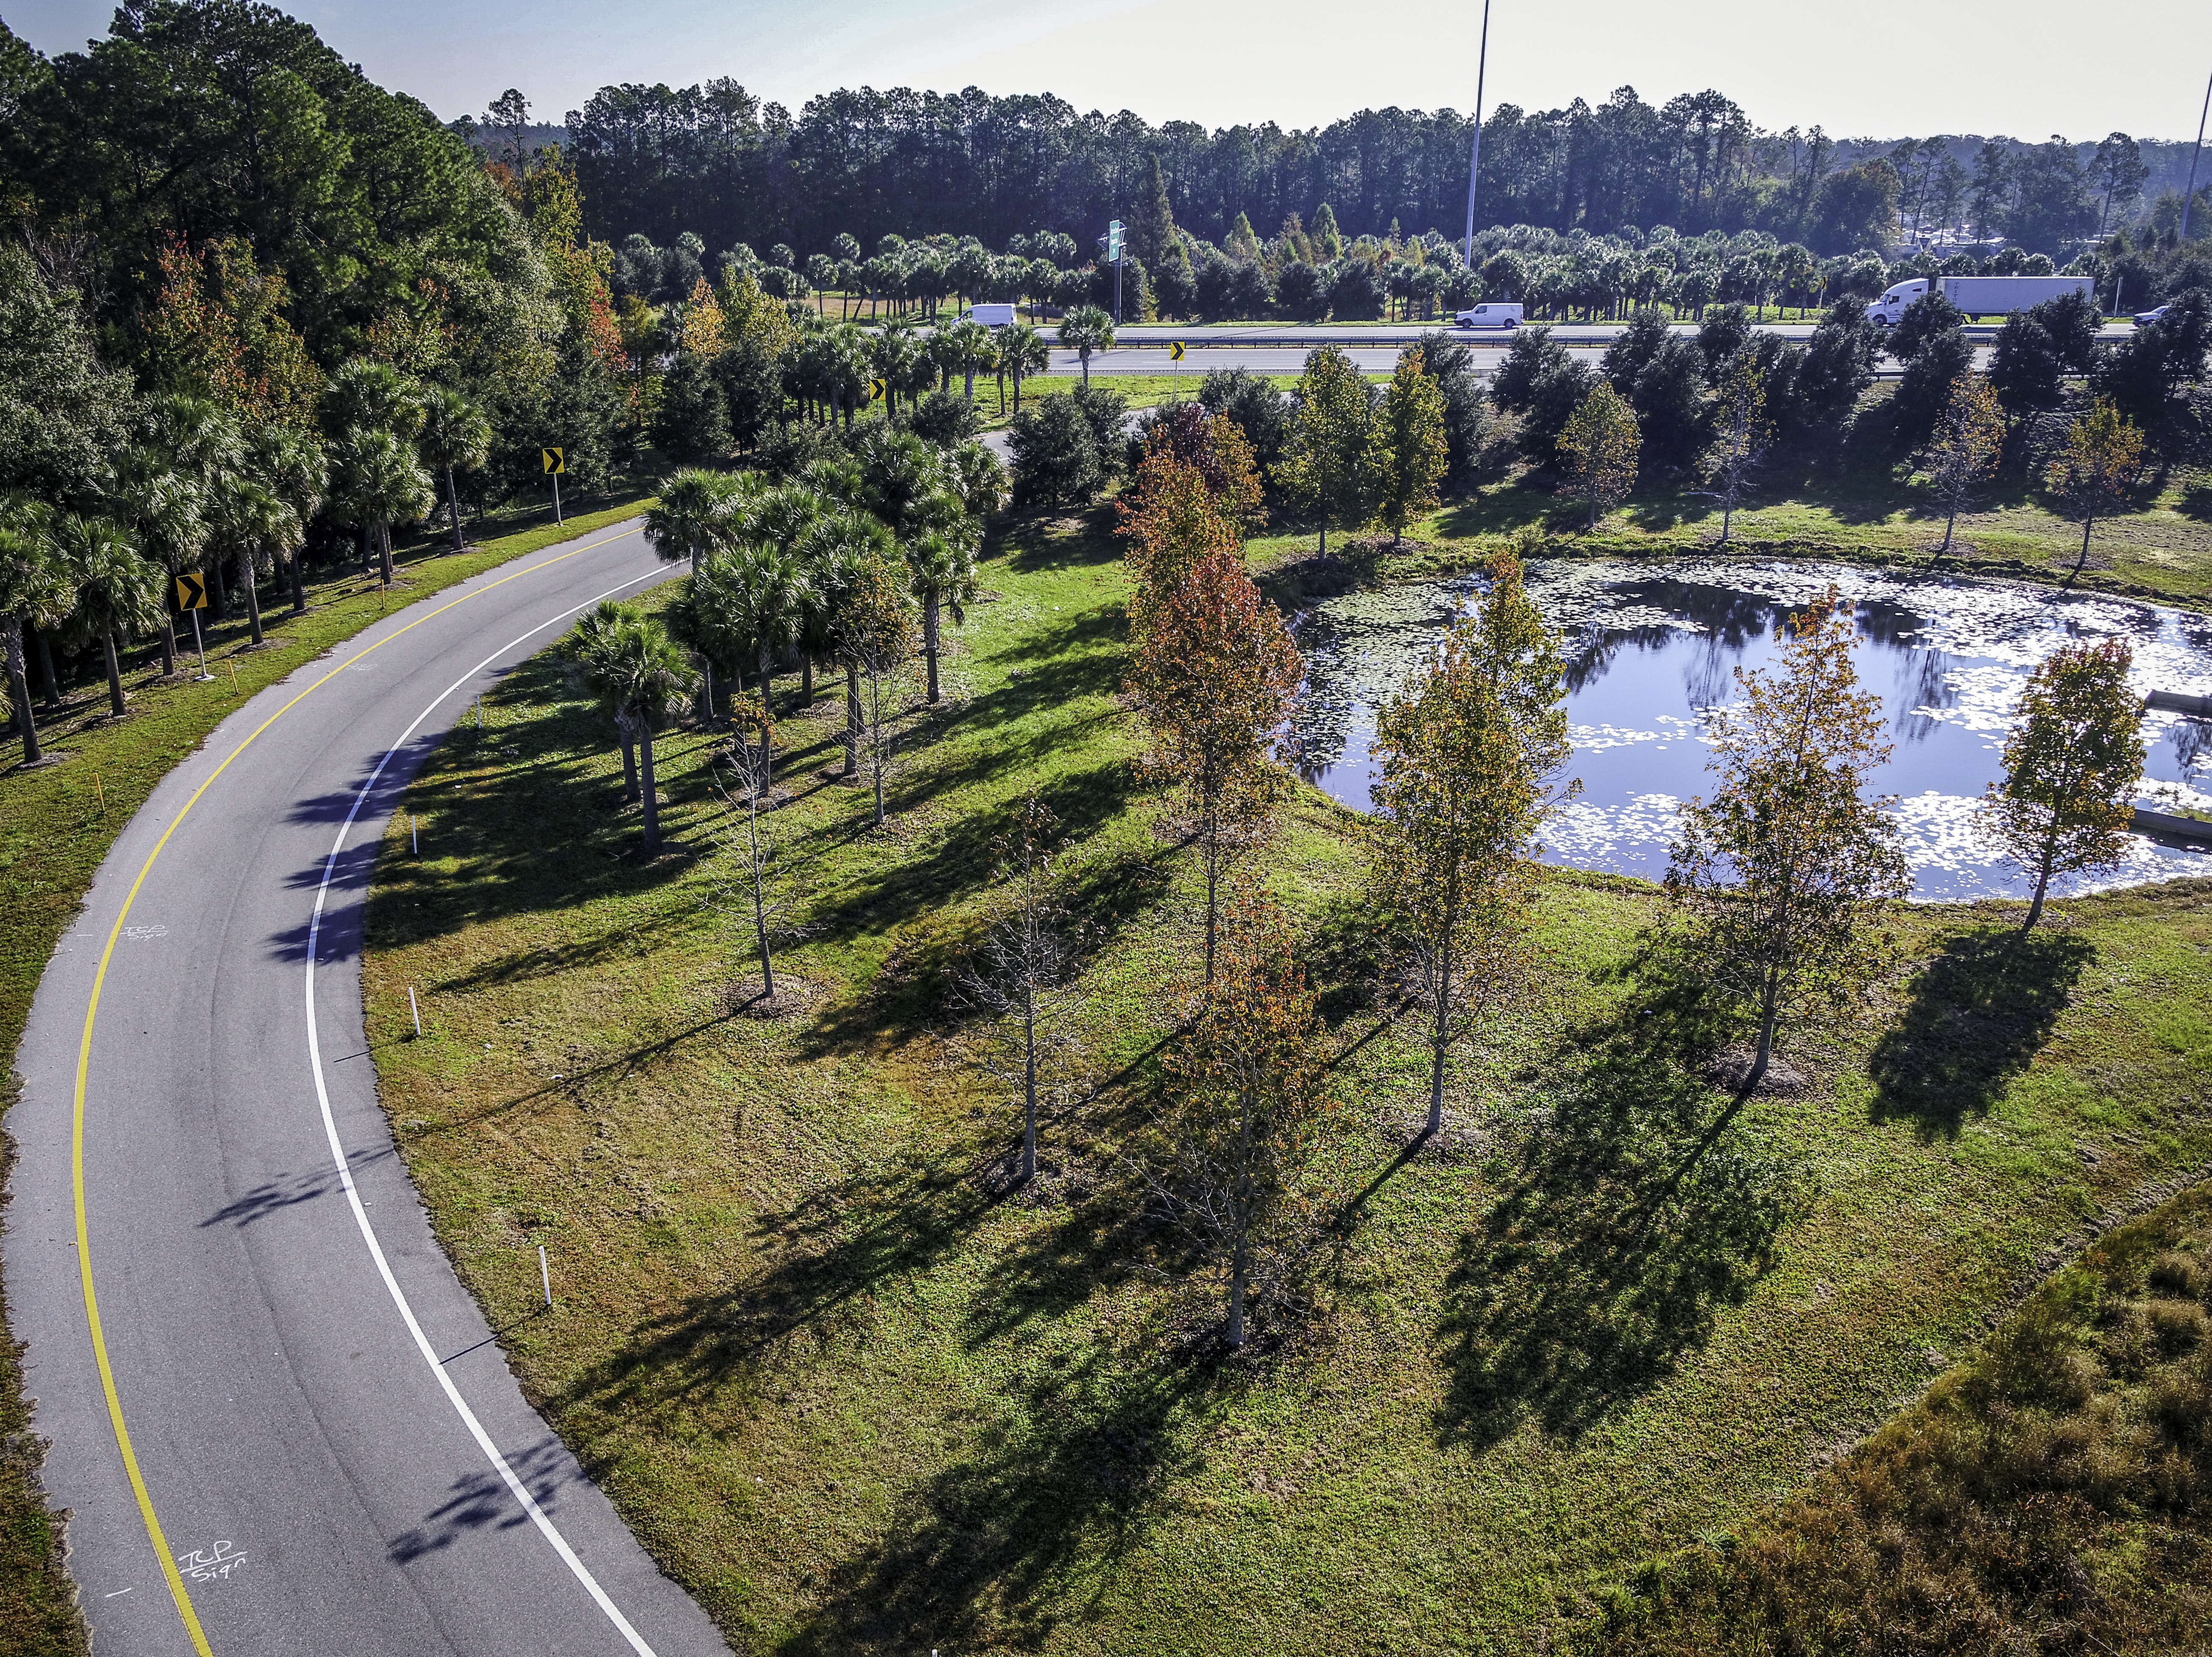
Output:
x,y
1650,648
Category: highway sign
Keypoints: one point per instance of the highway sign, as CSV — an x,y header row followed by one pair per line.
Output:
x,y
1174,352
876,390
1110,243
192,592
556,461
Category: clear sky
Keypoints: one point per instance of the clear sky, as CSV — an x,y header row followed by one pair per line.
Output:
x,y
2025,67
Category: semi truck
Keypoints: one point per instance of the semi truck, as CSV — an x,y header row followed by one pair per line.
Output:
x,y
1977,296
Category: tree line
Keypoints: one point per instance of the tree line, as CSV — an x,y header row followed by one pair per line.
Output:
x,y
713,159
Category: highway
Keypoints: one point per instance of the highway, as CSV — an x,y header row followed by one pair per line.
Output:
x,y
1282,349
280,1423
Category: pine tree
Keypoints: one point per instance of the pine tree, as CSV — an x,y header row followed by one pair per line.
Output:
x,y
1153,235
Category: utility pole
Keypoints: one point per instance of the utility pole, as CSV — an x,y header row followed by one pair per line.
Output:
x,y
2188,195
1474,160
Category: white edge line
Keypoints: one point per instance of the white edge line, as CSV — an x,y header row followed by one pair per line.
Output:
x,y
537,1514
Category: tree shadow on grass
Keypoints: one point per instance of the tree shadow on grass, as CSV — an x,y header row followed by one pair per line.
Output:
x,y
827,1259
1980,1009
1573,1296
996,1550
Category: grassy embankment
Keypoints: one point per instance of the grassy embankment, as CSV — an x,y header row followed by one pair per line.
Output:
x,y
56,825
857,1397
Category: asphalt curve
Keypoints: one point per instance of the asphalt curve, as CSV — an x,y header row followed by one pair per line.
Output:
x,y
280,1423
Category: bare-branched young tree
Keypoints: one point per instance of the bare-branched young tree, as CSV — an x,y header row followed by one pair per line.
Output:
x,y
1025,982
756,862
876,639
1247,1092
1742,435
1471,750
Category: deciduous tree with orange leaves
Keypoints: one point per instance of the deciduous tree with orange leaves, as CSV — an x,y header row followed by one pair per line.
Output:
x,y
1175,521
1215,675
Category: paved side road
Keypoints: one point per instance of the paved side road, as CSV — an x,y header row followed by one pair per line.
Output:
x,y
327,1441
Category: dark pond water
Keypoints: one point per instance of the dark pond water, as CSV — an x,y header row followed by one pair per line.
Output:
x,y
1651,647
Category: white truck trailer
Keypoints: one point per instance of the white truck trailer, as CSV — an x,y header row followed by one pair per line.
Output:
x,y
1977,296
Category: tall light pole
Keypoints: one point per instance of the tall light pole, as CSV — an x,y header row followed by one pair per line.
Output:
x,y
1474,160
2188,195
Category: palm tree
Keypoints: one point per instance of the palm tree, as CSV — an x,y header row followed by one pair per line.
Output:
x,y
119,593
456,437
580,644
366,396
766,585
293,466
380,483
897,350
634,668
836,549
251,517
941,573
33,587
694,516
166,509
1085,330
969,344
1023,352
199,440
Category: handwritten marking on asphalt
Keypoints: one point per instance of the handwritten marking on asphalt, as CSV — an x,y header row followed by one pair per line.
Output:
x,y
141,934
210,1564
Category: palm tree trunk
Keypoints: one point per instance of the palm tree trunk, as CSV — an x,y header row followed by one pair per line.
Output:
x,y
453,502
221,596
851,719
19,691
929,616
384,550
651,803
46,671
630,766
114,671
169,631
252,596
299,580
806,681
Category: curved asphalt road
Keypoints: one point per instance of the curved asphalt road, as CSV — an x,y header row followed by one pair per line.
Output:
x,y
329,1452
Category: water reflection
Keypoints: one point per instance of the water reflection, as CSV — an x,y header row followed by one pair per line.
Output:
x,y
1650,652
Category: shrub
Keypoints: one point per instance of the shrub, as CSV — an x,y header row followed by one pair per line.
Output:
x,y
1055,455
944,417
1260,411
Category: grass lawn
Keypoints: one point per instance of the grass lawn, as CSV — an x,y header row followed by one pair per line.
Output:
x,y
858,1396
56,825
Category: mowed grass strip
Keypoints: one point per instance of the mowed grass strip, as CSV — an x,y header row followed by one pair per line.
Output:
x,y
859,1397
56,825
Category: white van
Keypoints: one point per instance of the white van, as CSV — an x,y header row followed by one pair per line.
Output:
x,y
1499,313
990,316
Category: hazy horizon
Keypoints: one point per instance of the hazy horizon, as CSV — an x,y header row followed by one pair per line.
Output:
x,y
1205,62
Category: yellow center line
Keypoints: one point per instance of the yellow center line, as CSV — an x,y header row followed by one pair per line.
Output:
x,y
85,1061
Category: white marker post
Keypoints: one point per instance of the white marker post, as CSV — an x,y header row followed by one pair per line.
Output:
x,y
546,1277
415,834
200,644
414,1012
